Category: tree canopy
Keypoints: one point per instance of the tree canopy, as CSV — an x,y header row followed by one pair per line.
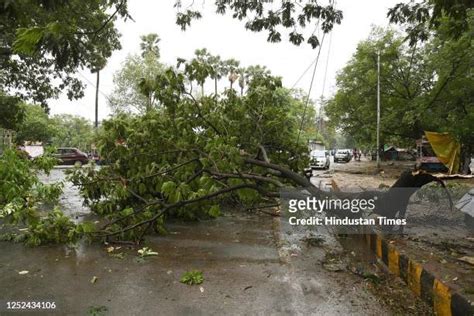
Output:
x,y
43,43
424,87
272,18
134,83
35,127
72,131
423,18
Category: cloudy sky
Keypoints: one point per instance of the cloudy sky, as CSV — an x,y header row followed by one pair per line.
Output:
x,y
227,37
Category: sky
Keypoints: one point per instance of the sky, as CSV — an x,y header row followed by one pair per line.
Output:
x,y
227,37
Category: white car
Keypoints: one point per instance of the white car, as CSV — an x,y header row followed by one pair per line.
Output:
x,y
342,155
319,159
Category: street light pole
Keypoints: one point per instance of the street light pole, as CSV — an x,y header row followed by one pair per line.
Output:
x,y
378,109
96,125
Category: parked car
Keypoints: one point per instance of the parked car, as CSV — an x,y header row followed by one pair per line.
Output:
x,y
319,159
95,157
342,155
71,156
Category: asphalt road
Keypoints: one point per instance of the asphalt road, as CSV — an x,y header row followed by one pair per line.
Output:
x,y
252,264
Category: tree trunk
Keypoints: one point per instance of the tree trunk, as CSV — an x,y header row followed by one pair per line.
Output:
x,y
464,167
148,108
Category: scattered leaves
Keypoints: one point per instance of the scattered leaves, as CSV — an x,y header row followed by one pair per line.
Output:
x,y
147,252
193,277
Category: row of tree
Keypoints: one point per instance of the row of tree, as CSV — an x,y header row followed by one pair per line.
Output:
x,y
135,83
426,86
34,125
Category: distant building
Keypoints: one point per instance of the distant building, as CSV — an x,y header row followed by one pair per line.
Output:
x,y
316,145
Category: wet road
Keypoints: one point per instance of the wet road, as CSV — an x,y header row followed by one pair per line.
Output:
x,y
70,201
252,264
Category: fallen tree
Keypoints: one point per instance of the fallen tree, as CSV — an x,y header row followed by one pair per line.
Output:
x,y
186,159
190,155
393,203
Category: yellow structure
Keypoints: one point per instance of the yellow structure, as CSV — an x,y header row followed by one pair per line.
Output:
x,y
446,148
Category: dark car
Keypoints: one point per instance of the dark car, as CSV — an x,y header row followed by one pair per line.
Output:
x,y
71,156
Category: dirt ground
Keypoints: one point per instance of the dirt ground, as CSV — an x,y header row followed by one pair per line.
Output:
x,y
438,237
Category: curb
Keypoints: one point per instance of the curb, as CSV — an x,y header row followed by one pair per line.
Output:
x,y
443,299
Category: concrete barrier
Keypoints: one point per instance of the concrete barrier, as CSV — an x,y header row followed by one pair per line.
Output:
x,y
423,283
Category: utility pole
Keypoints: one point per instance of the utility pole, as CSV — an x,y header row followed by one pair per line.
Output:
x,y
378,109
96,125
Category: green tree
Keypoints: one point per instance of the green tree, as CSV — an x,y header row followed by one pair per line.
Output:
x,y
421,18
43,44
200,68
449,107
149,45
422,88
231,67
35,127
11,112
405,80
208,150
72,131
134,83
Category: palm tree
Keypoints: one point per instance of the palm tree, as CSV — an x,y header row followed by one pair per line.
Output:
x,y
217,70
231,66
149,44
241,72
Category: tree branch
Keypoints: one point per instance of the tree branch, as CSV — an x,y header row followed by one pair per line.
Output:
x,y
246,176
286,173
199,113
179,204
171,169
105,23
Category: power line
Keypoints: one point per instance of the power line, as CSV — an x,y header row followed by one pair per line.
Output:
x,y
316,29
94,86
327,63
310,88
304,73
315,62
321,105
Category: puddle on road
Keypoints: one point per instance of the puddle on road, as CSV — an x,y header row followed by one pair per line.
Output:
x,y
71,202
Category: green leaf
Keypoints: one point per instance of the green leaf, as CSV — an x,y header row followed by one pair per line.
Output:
x,y
193,277
27,40
168,188
127,211
214,211
86,227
